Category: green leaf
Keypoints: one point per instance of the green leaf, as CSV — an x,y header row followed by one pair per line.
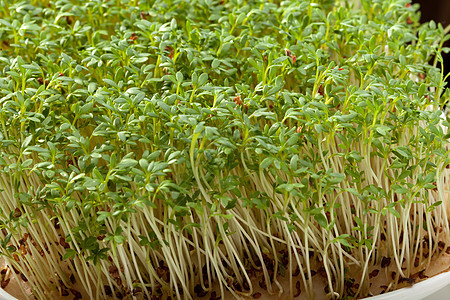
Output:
x,y
266,162
70,254
383,130
102,215
27,141
110,82
321,219
91,87
89,183
126,163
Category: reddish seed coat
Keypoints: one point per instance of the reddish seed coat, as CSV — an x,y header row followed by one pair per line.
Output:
x,y
5,283
237,100
385,262
374,273
299,291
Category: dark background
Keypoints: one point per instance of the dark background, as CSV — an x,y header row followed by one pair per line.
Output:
x,y
439,11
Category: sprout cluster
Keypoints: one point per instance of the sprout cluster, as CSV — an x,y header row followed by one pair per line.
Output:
x,y
184,148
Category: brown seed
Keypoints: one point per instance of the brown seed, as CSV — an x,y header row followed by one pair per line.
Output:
x,y
257,295
16,257
320,91
407,280
108,290
349,282
17,213
198,288
385,262
229,282
62,242
416,262
237,100
64,292
296,272
374,273
72,279
237,286
23,277
202,293
76,293
113,269
61,283
299,291
5,283
393,274
133,36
